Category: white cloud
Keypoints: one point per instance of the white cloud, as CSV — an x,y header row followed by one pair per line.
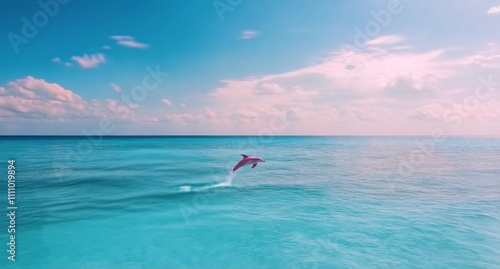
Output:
x,y
56,60
89,61
248,34
494,10
129,41
115,87
166,101
106,47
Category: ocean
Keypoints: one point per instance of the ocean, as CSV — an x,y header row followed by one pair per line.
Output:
x,y
317,202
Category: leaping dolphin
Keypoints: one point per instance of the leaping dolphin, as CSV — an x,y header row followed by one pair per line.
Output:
x,y
247,161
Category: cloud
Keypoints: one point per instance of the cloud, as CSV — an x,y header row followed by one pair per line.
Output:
x,y
346,74
455,113
89,61
249,34
374,90
385,40
150,119
351,113
106,47
433,111
269,88
166,101
35,99
129,41
209,113
59,61
185,118
488,57
494,10
115,87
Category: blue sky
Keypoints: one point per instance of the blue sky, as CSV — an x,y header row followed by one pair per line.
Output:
x,y
332,67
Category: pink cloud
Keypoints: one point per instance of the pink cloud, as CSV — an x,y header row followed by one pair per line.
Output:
x,y
167,102
372,91
36,99
488,57
185,118
209,113
32,88
248,34
89,61
457,112
150,119
129,41
115,87
385,40
494,10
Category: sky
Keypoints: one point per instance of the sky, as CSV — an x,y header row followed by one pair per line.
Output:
x,y
238,67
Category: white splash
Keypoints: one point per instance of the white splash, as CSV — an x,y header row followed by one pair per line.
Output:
x,y
226,183
185,188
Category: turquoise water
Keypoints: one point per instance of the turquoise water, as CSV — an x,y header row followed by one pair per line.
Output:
x,y
317,202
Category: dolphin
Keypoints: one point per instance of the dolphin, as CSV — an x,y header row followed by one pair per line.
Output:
x,y
247,161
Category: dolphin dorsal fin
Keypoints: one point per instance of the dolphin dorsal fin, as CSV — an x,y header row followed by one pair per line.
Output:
x,y
244,156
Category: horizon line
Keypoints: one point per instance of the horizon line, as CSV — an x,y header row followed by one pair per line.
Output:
x,y
236,135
